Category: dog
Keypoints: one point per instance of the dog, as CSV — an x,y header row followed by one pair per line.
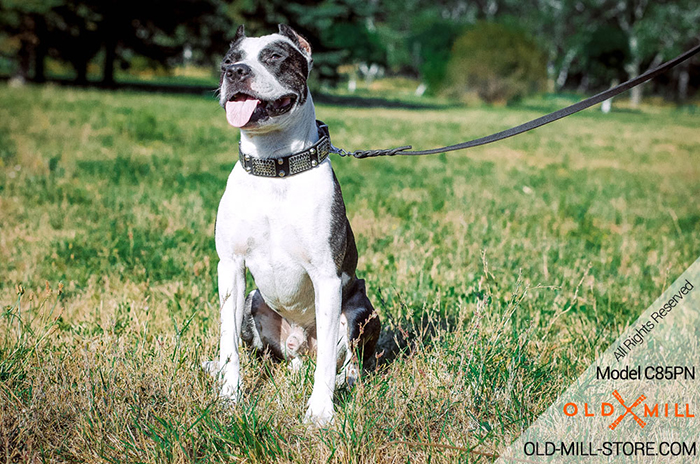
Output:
x,y
283,218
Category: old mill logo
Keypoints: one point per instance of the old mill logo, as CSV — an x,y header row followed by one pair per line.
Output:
x,y
608,409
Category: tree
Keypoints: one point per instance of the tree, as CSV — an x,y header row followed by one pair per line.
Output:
x,y
74,35
25,22
561,28
417,35
500,63
337,30
603,56
76,31
432,43
131,26
655,31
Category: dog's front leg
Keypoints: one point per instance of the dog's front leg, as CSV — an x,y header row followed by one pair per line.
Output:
x,y
328,306
232,298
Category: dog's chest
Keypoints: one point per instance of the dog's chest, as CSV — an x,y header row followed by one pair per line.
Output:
x,y
281,229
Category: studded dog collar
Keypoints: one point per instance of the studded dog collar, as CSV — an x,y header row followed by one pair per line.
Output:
x,y
289,165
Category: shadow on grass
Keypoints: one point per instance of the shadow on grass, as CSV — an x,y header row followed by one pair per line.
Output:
x,y
374,102
549,108
205,90
397,341
138,86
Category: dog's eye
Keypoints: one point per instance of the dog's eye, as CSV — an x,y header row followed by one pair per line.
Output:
x,y
276,57
227,61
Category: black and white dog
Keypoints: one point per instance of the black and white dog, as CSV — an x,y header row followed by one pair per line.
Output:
x,y
283,217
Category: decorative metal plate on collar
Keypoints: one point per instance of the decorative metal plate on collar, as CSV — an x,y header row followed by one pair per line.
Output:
x,y
289,165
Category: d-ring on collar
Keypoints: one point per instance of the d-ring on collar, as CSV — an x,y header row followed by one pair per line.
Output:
x,y
291,164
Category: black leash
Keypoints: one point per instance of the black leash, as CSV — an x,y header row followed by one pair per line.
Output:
x,y
535,123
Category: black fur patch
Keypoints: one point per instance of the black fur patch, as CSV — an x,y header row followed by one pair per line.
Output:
x,y
234,55
288,65
240,35
342,240
363,323
289,33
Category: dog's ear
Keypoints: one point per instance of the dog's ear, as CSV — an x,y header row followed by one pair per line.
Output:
x,y
296,39
240,35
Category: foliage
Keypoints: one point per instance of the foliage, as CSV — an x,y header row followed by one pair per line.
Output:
x,y
643,32
654,31
500,63
416,32
434,40
585,42
335,28
76,30
499,274
604,55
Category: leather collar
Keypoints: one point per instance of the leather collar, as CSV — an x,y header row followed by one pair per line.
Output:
x,y
290,165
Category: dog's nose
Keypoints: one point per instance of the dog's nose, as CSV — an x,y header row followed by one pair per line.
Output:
x,y
238,71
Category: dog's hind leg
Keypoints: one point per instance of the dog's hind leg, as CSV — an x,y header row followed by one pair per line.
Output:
x,y
266,331
359,332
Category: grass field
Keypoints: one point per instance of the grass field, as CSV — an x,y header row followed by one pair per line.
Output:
x,y
499,274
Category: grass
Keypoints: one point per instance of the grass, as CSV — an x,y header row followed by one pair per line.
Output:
x,y
499,274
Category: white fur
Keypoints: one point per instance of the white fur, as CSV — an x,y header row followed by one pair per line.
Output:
x,y
291,133
280,229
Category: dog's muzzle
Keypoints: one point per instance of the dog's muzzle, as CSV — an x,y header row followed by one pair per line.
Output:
x,y
237,72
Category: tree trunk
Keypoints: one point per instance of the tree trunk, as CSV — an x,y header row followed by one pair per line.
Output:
x,y
636,92
80,65
636,96
633,67
683,80
564,70
561,78
40,49
25,53
633,70
110,57
583,85
606,106
39,68
24,61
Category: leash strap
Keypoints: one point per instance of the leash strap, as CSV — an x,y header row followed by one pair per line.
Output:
x,y
535,123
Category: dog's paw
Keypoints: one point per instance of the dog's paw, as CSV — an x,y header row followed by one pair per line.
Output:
x,y
230,393
211,368
320,412
348,376
295,365
352,373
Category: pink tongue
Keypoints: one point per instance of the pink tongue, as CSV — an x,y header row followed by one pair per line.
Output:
x,y
238,113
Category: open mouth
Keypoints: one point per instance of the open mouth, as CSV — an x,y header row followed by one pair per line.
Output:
x,y
242,109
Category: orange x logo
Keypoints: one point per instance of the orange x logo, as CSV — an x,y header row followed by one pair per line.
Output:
x,y
628,410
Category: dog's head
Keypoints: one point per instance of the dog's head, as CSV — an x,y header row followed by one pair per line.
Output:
x,y
263,79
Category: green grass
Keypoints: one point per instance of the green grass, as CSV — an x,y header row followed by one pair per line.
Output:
x,y
499,273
